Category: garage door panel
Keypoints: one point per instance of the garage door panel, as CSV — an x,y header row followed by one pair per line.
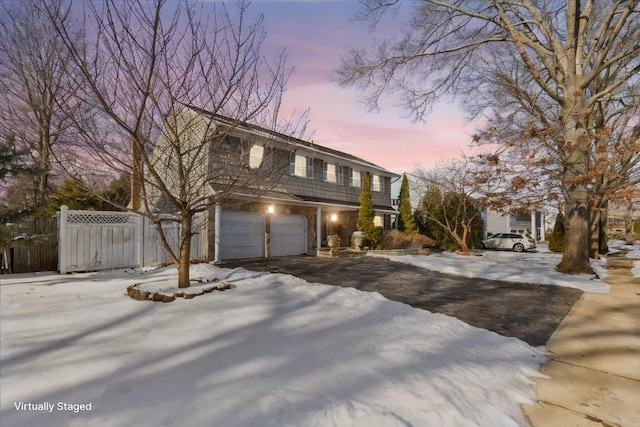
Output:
x,y
241,235
288,235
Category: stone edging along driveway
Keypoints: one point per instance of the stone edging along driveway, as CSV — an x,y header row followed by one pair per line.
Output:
x,y
529,312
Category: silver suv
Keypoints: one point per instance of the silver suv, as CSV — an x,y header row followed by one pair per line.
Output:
x,y
517,242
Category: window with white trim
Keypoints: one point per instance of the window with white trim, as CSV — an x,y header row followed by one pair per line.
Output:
x,y
355,178
376,183
302,166
256,155
330,173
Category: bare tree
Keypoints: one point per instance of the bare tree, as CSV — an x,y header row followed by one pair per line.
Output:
x,y
564,47
168,87
522,166
450,200
35,71
525,132
616,168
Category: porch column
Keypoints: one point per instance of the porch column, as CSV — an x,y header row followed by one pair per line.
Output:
x,y
267,236
486,223
205,231
534,230
216,237
318,229
543,228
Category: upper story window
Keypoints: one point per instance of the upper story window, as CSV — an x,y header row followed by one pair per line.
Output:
x,y
302,166
376,183
355,178
256,156
330,173
229,147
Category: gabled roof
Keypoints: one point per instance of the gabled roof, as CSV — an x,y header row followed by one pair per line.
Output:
x,y
264,132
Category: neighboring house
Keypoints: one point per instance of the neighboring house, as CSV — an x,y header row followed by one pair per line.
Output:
x,y
620,218
497,222
315,195
616,220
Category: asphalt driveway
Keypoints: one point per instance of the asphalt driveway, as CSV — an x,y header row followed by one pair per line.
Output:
x,y
529,312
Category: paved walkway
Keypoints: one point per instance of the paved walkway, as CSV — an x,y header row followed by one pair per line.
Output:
x,y
594,366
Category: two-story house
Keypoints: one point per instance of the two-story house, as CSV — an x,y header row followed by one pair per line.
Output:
x,y
315,193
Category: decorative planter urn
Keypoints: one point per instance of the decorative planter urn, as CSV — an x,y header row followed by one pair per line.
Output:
x,y
357,240
333,241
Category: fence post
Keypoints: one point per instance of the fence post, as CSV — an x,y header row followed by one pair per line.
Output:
x,y
140,241
62,240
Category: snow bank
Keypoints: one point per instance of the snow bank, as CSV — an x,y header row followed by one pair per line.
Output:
x,y
525,267
272,351
631,251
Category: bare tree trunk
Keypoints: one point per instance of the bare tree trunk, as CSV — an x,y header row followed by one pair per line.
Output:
x,y
44,167
594,225
575,255
464,239
136,175
603,247
600,166
184,263
628,223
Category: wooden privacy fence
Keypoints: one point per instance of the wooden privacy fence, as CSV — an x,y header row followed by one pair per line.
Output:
x,y
33,246
100,240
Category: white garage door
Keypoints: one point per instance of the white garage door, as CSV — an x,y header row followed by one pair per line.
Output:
x,y
241,235
288,235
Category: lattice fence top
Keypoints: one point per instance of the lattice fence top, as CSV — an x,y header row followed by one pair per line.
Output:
x,y
85,217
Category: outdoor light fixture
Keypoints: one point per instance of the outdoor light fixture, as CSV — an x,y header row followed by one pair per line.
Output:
x,y
271,209
334,217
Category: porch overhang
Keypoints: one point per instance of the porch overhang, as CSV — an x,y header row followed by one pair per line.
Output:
x,y
288,199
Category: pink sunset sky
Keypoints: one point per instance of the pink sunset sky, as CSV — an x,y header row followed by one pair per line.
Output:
x,y
316,35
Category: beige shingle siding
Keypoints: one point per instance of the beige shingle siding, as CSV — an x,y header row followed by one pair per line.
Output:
x,y
183,136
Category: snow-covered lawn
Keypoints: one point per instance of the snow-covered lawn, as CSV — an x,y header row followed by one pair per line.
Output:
x,y
273,351
525,267
632,252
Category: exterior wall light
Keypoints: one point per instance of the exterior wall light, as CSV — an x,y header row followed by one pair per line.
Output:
x,y
271,209
334,217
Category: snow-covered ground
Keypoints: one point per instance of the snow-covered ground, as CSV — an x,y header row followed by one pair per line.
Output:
x,y
526,267
632,252
537,267
272,351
